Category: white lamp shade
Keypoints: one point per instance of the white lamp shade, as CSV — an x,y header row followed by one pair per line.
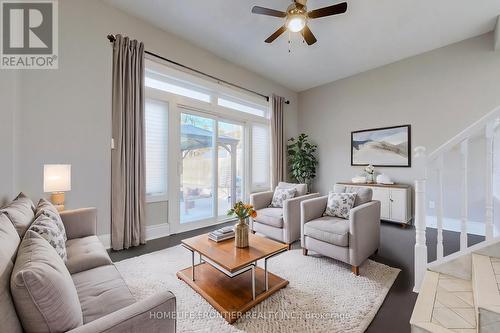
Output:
x,y
56,177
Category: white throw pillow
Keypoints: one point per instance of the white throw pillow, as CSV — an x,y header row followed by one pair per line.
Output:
x,y
339,204
282,194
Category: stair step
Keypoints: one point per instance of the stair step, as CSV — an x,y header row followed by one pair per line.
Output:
x,y
485,281
444,304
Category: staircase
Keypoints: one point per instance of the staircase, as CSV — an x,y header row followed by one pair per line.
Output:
x,y
459,292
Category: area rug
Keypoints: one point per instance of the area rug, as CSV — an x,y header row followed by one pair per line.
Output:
x,y
323,294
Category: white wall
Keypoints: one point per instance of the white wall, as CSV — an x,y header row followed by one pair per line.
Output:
x,y
65,114
439,93
9,100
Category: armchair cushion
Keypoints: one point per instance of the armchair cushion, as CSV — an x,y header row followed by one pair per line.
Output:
x,y
332,230
340,204
282,194
363,194
270,216
301,188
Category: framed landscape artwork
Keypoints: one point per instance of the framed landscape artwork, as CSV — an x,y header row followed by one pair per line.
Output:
x,y
382,147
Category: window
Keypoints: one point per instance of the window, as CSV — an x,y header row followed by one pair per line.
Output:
x,y
257,110
261,170
156,123
165,83
207,145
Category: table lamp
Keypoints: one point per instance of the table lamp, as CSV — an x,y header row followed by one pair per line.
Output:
x,y
57,180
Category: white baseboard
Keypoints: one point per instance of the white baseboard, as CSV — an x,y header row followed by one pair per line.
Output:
x,y
152,232
157,231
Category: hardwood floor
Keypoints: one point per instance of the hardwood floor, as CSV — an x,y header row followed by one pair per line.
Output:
x,y
396,250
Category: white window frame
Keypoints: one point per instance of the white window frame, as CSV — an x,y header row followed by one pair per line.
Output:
x,y
180,104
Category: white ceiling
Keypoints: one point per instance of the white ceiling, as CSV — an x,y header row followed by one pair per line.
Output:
x,y
372,33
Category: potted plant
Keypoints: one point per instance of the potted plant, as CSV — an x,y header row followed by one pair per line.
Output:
x,y
242,211
301,159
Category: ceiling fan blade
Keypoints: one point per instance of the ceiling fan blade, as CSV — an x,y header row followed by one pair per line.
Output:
x,y
268,11
327,11
308,36
276,34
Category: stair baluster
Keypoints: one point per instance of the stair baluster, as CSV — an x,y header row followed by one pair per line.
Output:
x,y
464,153
439,207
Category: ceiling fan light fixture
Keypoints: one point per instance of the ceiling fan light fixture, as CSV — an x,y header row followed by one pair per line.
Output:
x,y
296,22
296,17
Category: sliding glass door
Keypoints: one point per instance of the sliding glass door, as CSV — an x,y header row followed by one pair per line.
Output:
x,y
230,148
197,144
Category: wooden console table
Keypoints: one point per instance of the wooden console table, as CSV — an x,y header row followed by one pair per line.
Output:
x,y
395,201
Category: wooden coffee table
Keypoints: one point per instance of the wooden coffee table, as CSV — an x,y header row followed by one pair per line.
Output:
x,y
228,277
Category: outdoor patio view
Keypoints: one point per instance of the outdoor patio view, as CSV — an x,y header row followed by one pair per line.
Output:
x,y
210,150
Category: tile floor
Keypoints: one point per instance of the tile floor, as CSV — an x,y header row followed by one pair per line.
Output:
x,y
454,305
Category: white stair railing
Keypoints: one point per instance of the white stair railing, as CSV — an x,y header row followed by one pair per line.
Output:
x,y
434,163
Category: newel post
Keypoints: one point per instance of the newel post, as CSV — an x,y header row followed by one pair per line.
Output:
x,y
420,217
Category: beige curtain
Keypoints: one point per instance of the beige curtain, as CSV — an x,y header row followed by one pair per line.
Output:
x,y
277,140
128,156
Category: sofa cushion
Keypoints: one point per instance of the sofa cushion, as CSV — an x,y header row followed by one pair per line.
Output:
x,y
9,241
46,227
363,194
328,229
43,291
301,188
85,253
47,208
20,212
101,291
270,216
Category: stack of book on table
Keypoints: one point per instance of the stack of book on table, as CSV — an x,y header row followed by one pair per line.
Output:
x,y
221,234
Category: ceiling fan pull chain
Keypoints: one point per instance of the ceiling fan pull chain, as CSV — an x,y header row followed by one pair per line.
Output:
x,y
289,42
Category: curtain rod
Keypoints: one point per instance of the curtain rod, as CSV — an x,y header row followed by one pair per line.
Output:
x,y
112,38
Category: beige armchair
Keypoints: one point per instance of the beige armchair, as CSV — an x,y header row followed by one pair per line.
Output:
x,y
281,224
351,241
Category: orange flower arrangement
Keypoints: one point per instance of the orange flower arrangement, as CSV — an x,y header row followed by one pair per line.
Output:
x,y
242,211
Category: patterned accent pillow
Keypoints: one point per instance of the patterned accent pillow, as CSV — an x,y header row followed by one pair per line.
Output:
x,y
282,194
339,204
48,209
46,227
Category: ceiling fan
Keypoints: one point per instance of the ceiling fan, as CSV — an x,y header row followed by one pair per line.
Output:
x,y
296,17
